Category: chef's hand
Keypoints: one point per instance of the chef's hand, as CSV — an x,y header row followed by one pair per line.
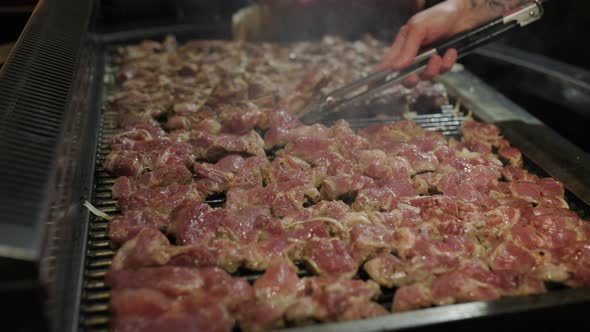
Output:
x,y
441,21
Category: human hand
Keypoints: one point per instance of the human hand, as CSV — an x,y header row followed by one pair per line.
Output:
x,y
441,21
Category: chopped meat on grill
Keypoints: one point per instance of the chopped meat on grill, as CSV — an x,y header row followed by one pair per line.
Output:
x,y
530,192
513,173
311,84
126,186
300,231
176,281
471,146
251,224
313,142
229,172
283,169
275,291
430,142
464,160
241,119
281,296
188,115
161,199
485,133
471,282
148,310
280,136
369,240
387,270
384,197
493,224
576,258
279,118
283,198
552,194
327,299
551,187
444,220
124,164
330,257
133,160
214,147
509,256
384,135
187,299
471,186
151,248
259,256
419,160
214,178
312,149
558,227
429,206
330,209
123,228
512,155
193,222
378,165
337,186
412,297
139,132
147,248
426,240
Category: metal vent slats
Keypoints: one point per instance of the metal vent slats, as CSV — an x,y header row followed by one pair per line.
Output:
x,y
34,95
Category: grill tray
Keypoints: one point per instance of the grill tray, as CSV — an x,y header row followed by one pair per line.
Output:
x,y
486,105
95,296
94,308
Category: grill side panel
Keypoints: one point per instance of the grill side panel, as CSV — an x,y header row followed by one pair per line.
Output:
x,y
45,136
34,95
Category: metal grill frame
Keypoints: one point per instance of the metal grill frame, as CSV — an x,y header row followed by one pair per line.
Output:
x,y
71,292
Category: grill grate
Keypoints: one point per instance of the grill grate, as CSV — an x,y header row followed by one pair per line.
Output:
x,y
95,314
95,294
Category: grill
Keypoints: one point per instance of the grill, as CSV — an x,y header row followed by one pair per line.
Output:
x,y
94,309
74,252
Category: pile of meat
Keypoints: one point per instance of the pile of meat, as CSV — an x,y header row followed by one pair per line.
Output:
x,y
311,208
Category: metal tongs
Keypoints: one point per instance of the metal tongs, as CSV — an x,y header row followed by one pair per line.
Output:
x,y
464,43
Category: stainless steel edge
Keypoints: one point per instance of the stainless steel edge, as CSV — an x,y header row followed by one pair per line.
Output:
x,y
554,154
478,97
542,145
464,312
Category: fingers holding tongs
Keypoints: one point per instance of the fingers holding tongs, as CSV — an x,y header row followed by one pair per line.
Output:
x,y
464,43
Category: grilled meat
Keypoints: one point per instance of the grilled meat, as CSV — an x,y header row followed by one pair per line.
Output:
x,y
442,220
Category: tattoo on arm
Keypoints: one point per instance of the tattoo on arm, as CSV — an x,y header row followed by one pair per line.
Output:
x,y
497,6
